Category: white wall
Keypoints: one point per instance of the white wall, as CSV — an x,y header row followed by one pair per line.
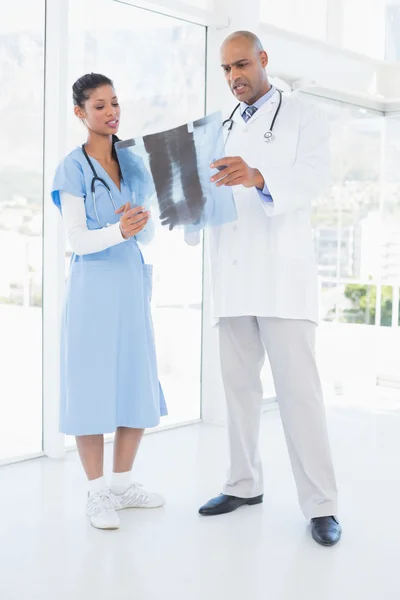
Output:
x,y
308,17
357,25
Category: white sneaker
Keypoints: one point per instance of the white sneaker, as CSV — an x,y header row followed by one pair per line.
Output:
x,y
101,509
137,497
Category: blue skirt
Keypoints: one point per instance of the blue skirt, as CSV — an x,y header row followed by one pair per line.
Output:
x,y
109,375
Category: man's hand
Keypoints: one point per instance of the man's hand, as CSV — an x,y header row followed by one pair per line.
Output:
x,y
234,171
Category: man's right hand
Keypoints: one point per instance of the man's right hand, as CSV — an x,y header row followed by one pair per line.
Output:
x,y
133,220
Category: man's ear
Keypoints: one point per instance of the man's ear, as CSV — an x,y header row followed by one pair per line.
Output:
x,y
264,59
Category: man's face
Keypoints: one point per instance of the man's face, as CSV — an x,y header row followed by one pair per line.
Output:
x,y
244,69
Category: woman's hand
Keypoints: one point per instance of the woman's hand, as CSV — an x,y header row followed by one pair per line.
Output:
x,y
133,220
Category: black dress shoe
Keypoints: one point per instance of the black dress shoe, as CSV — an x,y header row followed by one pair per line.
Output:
x,y
225,504
326,530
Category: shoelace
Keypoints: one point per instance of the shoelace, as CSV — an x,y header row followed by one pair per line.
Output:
x,y
134,494
102,501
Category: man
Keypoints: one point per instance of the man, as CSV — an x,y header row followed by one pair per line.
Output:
x,y
265,285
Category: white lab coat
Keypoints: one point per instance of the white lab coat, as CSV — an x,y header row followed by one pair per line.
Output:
x,y
264,263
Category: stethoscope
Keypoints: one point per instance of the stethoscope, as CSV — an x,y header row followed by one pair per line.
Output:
x,y
268,135
93,185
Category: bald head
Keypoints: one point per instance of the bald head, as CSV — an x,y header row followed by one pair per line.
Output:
x,y
245,36
243,61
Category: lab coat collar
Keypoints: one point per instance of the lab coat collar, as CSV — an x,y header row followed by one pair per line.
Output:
x,y
265,109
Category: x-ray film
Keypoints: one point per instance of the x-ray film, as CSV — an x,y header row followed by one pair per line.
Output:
x,y
175,164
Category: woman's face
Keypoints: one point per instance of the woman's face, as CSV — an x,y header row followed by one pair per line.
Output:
x,y
101,111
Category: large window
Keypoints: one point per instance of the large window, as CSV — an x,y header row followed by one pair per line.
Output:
x,y
389,254
346,228
346,225
158,67
21,166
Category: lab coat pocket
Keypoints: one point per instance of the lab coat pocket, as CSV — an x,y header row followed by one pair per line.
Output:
x,y
291,236
148,282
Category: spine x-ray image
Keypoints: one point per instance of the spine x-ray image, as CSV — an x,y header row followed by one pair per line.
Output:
x,y
178,163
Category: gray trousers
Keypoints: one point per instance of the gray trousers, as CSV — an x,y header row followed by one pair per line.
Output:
x,y
290,346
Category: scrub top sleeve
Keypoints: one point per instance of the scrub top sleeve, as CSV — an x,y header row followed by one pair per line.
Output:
x,y
68,178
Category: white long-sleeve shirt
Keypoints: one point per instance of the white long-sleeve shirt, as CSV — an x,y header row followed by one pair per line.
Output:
x,y
86,241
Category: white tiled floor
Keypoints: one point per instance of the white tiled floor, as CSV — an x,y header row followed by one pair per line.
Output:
x,y
49,552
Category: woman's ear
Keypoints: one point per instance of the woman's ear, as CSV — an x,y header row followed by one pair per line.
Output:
x,y
79,113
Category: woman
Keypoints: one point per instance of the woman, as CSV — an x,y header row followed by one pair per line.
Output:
x,y
109,379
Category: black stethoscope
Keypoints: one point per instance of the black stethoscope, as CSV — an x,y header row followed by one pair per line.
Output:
x,y
93,185
268,135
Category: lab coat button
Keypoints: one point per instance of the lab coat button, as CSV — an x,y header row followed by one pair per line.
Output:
x,y
235,262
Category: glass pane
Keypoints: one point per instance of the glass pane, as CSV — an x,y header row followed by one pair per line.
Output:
x,y
389,375
165,88
347,227
391,211
348,303
21,172
392,50
346,219
358,304
387,306
329,301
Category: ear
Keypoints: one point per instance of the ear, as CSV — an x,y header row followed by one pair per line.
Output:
x,y
264,59
79,112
